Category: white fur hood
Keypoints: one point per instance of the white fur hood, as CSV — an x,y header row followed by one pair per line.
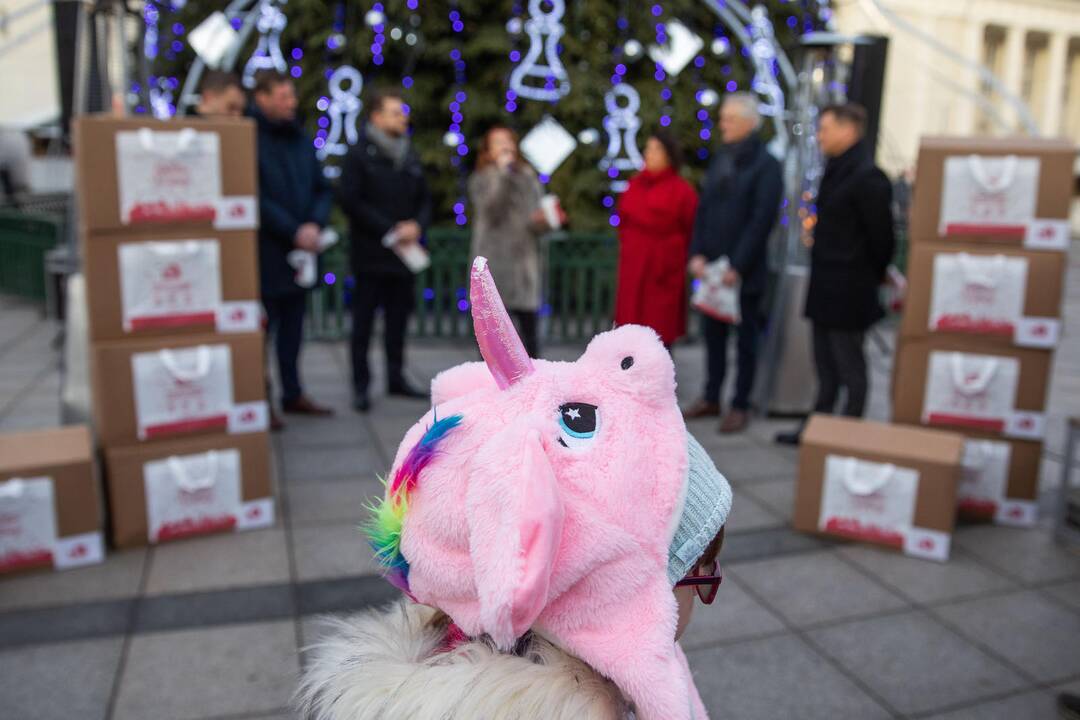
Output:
x,y
383,665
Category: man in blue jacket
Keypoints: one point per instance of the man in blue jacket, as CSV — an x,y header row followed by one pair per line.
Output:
x,y
294,204
740,204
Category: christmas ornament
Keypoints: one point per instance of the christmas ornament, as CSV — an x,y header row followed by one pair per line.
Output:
x,y
547,146
681,47
345,85
267,54
621,125
544,31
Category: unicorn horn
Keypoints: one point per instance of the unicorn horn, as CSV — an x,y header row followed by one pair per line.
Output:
x,y
495,334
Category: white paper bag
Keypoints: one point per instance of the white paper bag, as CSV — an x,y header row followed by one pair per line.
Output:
x,y
866,500
192,494
182,390
414,255
978,293
168,175
27,523
984,194
970,390
984,478
711,297
169,284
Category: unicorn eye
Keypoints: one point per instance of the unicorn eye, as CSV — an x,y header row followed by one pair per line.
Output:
x,y
578,424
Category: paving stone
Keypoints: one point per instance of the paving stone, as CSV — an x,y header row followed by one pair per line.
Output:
x,y
118,577
748,514
309,464
914,663
734,615
924,581
754,464
224,670
1067,593
815,587
332,551
777,677
59,681
1030,555
258,557
1034,704
777,495
332,502
1034,633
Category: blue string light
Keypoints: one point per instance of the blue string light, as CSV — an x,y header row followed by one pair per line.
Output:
x,y
660,74
457,117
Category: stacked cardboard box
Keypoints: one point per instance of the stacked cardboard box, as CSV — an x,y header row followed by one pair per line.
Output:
x,y
167,237
986,271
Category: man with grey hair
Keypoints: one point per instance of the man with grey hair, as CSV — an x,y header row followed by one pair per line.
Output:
x,y
739,206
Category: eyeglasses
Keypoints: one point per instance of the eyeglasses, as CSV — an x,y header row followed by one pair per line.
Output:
x,y
705,580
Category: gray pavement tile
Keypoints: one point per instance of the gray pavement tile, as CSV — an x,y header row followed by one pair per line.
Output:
x,y
332,551
221,607
1033,632
60,681
309,464
1028,554
924,581
777,677
216,671
734,615
346,430
228,560
748,514
61,623
1067,593
914,663
344,594
332,502
747,546
777,495
716,443
753,464
1034,704
118,577
815,587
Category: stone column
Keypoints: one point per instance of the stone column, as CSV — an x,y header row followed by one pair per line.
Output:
x,y
1052,111
1013,74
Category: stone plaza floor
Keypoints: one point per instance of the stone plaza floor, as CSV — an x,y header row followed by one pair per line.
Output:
x,y
802,628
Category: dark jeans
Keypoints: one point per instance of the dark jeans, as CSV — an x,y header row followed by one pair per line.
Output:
x,y
394,294
285,324
716,341
528,322
840,361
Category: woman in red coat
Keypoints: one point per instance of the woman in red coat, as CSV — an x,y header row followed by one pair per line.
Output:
x,y
656,218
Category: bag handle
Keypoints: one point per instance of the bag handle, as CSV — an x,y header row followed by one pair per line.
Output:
x,y
187,482
201,368
976,454
1002,182
866,483
985,274
976,384
184,248
184,138
12,489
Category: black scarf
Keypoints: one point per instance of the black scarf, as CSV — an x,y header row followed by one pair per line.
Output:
x,y
842,168
733,156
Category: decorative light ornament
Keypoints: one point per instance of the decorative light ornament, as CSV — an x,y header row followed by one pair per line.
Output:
x,y
267,54
633,49
681,47
588,136
344,110
621,125
544,31
708,97
720,46
763,54
374,17
547,146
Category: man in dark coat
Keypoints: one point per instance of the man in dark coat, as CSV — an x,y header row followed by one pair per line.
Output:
x,y
294,204
384,193
739,206
853,245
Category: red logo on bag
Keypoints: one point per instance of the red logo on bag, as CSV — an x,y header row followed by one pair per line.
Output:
x,y
238,315
1016,512
78,551
237,211
247,416
172,271
1026,423
254,513
926,544
1047,232
1039,330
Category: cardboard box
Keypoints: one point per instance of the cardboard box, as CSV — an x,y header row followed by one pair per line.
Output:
x,y
172,290
196,174
995,295
1043,225
50,509
240,499
186,385
874,482
1000,480
960,384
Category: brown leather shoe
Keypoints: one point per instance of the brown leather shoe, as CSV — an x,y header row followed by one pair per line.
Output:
x,y
701,409
735,421
303,405
276,423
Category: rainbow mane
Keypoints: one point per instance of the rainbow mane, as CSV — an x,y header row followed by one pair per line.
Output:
x,y
388,515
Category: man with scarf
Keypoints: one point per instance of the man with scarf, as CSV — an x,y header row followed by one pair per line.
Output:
x,y
853,243
740,204
386,198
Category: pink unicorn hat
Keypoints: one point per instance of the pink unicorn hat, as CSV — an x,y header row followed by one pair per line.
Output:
x,y
546,496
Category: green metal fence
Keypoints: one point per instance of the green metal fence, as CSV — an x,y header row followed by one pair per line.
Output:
x,y
24,240
578,299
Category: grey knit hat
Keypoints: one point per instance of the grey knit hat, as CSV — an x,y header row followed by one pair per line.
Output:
x,y
708,501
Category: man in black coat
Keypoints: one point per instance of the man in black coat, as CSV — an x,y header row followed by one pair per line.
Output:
x,y
384,193
853,245
740,204
294,204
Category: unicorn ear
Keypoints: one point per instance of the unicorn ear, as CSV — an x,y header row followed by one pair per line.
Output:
x,y
460,380
515,520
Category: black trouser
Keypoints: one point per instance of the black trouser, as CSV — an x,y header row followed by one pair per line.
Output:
x,y
716,341
840,361
528,322
394,294
285,324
